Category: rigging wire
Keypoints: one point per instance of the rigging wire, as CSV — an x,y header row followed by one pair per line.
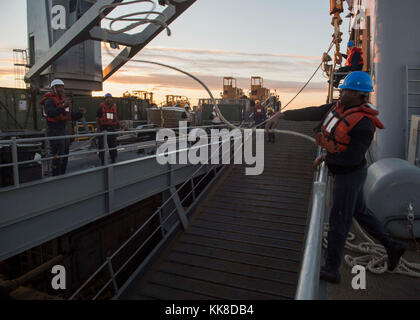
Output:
x,y
163,24
375,259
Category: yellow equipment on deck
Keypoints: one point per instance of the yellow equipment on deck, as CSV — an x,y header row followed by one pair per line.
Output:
x,y
230,90
258,92
172,101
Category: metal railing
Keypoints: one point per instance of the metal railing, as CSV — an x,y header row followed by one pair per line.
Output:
x,y
14,144
165,234
308,284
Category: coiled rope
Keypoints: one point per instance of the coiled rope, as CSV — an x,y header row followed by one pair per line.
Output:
x,y
373,256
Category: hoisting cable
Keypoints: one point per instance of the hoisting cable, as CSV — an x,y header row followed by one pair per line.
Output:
x,y
163,24
374,253
303,88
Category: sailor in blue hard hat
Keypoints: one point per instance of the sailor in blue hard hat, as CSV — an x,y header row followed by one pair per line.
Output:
x,y
345,132
354,62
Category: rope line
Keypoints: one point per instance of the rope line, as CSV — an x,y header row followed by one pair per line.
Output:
x,y
163,23
373,256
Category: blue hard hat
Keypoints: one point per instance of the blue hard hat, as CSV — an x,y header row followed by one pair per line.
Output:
x,y
350,43
358,81
108,95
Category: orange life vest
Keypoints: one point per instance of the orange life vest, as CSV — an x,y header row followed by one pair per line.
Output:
x,y
351,55
109,115
338,123
259,109
59,103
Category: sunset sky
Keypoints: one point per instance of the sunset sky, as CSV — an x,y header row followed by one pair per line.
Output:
x,y
281,41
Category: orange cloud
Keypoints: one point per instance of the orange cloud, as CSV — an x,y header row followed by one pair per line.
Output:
x,y
213,82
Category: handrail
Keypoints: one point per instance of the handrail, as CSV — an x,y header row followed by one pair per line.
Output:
x,y
13,143
118,291
308,284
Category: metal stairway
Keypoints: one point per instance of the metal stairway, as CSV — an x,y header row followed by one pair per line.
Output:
x,y
246,237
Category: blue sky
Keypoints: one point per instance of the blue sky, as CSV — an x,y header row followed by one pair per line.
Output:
x,y
280,40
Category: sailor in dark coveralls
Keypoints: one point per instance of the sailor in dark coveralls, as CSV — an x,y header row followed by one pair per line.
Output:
x,y
57,111
346,132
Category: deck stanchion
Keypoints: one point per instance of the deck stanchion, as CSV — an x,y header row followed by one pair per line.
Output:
x,y
15,163
111,271
105,136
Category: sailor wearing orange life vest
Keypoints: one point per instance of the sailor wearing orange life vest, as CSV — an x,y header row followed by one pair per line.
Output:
x,y
354,62
107,120
259,113
346,131
57,112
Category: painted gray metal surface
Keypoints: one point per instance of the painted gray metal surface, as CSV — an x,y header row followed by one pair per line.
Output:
x,y
41,211
74,55
175,9
69,56
395,44
391,185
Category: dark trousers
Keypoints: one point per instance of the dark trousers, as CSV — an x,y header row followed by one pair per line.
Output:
x,y
259,119
58,147
112,143
337,78
348,202
271,137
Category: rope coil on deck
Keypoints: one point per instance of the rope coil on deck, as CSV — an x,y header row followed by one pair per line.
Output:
x,y
374,256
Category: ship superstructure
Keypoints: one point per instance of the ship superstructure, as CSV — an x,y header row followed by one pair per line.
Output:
x,y
141,230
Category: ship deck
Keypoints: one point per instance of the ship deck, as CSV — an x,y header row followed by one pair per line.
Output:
x,y
245,239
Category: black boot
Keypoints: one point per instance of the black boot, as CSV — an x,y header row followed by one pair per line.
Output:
x,y
330,275
395,251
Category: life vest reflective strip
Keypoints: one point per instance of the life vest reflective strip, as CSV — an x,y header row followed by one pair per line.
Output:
x,y
59,103
336,126
259,108
351,55
109,115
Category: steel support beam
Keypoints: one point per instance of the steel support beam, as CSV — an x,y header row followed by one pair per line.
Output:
x,y
46,209
77,33
173,11
180,210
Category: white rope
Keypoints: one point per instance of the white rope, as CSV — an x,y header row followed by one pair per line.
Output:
x,y
373,256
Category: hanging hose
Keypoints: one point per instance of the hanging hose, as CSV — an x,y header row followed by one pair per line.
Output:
x,y
136,22
163,24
